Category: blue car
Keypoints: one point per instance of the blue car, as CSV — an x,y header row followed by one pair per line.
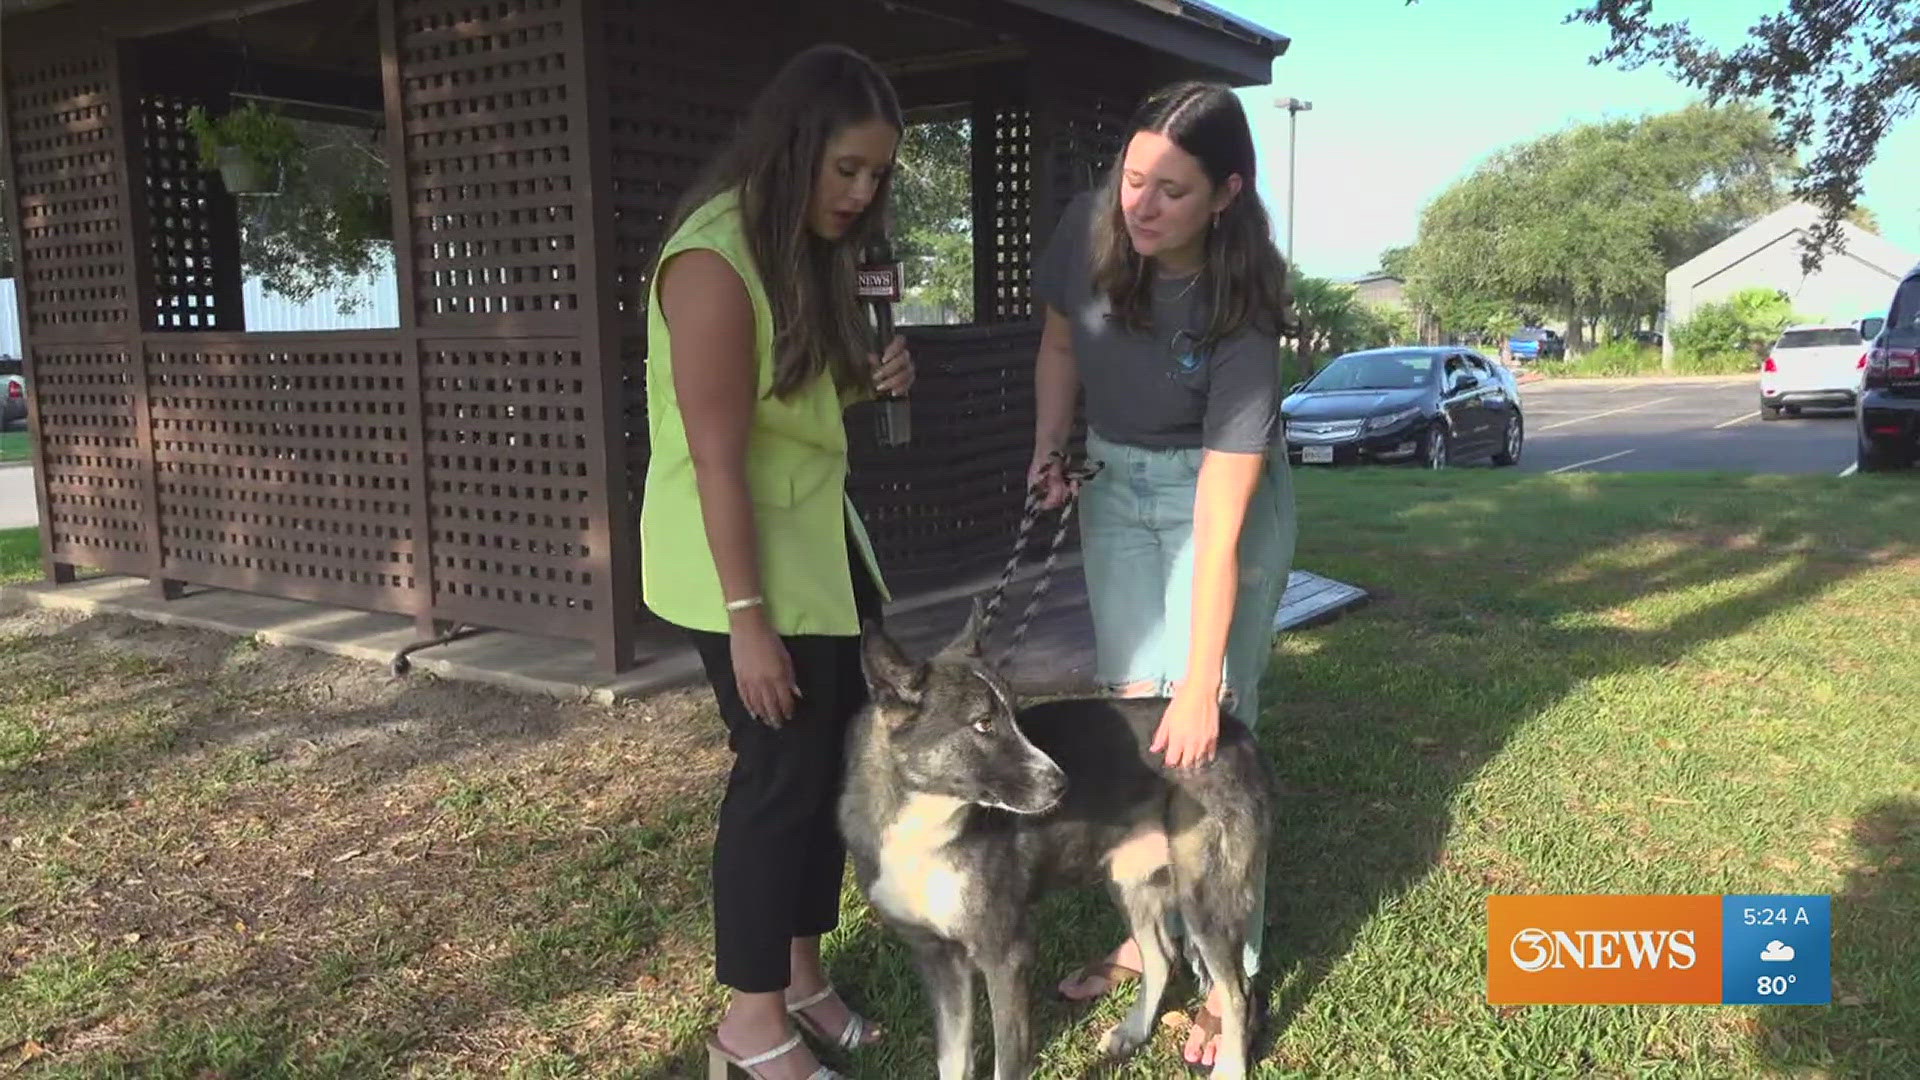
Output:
x,y
1536,343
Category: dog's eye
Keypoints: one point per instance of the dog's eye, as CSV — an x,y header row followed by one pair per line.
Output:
x,y
984,725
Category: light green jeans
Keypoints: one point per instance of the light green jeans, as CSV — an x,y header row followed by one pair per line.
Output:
x,y
1136,538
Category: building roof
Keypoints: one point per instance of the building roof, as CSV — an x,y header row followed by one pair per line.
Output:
x,y
1798,217
1238,49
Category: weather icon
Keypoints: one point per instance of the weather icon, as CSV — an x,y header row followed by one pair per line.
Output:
x,y
1777,951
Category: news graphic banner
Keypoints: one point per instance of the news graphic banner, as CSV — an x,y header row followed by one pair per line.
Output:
x,y
1659,950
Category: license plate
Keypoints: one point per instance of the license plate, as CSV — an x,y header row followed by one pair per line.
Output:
x,y
1316,455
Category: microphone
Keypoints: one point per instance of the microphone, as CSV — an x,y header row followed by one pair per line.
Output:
x,y
879,286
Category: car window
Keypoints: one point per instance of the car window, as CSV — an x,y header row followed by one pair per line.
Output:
x,y
1904,315
1377,371
1813,339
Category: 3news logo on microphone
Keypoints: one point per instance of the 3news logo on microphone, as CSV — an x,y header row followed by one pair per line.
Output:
x,y
1666,950
878,283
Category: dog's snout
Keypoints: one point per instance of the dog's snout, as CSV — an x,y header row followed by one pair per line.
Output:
x,y
1049,785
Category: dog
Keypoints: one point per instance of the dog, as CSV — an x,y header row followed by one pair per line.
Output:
x,y
960,809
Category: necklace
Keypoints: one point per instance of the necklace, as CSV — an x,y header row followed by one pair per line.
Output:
x,y
1185,289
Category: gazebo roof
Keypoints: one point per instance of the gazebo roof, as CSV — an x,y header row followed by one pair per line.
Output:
x,y
1237,49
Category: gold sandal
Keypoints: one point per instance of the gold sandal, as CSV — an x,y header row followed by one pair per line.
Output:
x,y
721,1062
852,1037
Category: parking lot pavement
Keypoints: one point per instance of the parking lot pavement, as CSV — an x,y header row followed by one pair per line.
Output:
x,y
1687,424
17,506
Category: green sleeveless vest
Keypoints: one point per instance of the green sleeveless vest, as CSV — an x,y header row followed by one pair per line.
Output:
x,y
796,474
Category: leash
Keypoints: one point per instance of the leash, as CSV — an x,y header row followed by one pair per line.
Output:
x,y
1029,516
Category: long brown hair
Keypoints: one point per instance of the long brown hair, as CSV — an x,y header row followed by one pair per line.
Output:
x,y
1246,275
774,162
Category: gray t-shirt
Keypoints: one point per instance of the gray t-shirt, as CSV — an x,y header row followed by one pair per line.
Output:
x,y
1152,388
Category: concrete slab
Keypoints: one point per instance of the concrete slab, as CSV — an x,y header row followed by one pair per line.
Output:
x,y
1056,657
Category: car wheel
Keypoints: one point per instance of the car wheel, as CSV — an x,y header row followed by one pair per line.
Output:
x,y
1769,412
1433,451
1793,410
1509,452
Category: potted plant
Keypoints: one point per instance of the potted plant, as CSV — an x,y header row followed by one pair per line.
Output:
x,y
251,148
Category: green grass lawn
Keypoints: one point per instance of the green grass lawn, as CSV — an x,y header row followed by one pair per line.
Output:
x,y
223,860
14,446
19,554
1620,359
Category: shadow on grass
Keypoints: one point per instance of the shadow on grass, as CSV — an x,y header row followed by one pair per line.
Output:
x,y
1496,597
1873,1026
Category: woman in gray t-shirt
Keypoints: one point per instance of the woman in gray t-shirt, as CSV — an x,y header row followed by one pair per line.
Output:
x,y
1165,299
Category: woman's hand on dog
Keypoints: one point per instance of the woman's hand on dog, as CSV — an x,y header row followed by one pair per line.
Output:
x,y
762,670
1189,729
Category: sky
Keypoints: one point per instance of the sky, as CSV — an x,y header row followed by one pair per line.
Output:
x,y
1407,100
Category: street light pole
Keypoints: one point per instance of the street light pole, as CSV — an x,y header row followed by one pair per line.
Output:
x,y
1294,107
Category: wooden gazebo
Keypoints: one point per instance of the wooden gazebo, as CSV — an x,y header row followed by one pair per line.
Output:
x,y
480,463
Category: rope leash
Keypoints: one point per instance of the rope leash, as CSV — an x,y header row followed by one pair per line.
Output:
x,y
1029,515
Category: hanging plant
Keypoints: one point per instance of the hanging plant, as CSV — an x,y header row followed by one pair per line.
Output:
x,y
251,148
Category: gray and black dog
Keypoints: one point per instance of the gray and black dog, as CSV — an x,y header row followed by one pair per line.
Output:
x,y
960,809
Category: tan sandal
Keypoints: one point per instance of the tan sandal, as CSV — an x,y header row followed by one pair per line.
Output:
x,y
858,1033
721,1061
1116,976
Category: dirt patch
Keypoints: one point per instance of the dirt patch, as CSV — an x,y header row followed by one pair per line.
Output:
x,y
207,834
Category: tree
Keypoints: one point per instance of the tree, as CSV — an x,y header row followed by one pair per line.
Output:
x,y
1864,218
933,214
330,228
1837,76
1584,223
1334,320
1745,324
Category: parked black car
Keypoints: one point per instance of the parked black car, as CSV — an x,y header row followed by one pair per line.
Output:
x,y
1434,405
1888,415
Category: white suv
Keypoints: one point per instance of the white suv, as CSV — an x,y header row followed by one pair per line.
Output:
x,y
1814,366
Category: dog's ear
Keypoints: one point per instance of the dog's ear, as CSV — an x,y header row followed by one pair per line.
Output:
x,y
966,644
889,673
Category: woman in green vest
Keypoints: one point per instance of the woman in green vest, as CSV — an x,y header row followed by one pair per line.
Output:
x,y
1165,302
756,342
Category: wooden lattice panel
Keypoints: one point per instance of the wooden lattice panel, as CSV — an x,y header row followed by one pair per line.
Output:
x,y
66,150
675,91
190,226
492,140
1086,131
283,465
947,505
1010,218
92,460
511,483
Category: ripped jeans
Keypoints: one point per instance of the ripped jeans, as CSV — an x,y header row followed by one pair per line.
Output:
x,y
1136,536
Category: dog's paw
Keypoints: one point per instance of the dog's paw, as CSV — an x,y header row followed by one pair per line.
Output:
x,y
1120,1041
1224,1069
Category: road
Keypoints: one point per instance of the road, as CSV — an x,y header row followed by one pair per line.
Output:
x,y
1629,425
17,507
1687,424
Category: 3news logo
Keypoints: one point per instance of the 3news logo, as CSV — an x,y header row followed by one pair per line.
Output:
x,y
1644,950
1602,950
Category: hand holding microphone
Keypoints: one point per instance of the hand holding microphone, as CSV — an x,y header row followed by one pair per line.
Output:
x,y
879,285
